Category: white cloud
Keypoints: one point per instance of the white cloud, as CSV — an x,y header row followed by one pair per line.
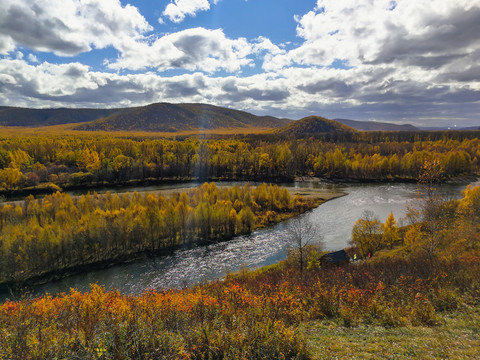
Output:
x,y
191,49
32,58
379,91
68,27
177,10
75,84
264,44
373,32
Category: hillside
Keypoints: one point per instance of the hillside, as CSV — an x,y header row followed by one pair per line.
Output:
x,y
15,116
376,126
179,117
312,126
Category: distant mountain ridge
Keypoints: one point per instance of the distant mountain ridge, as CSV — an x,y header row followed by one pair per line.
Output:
x,y
17,116
443,128
376,126
165,117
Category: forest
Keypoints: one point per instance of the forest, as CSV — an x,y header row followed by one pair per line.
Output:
x,y
281,311
60,231
52,163
422,274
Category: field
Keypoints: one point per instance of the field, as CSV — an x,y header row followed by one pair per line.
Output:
x,y
456,336
68,129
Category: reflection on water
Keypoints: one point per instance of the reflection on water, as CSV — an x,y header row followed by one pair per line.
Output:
x,y
334,220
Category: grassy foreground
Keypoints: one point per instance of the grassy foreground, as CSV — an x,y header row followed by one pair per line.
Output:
x,y
455,337
364,311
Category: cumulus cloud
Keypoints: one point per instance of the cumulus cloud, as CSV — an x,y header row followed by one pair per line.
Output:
x,y
379,91
401,57
191,49
32,58
76,84
407,32
68,27
177,10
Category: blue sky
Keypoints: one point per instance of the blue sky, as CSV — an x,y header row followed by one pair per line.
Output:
x,y
398,61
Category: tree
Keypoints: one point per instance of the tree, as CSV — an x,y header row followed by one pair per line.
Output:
x,y
413,234
366,234
431,174
301,233
390,231
10,178
246,218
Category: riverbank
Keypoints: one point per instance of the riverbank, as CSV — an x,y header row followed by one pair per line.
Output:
x,y
390,179
311,199
132,185
123,186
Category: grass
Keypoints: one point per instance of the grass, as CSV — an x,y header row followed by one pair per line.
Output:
x,y
67,129
320,195
455,337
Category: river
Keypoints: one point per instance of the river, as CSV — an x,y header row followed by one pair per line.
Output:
x,y
333,219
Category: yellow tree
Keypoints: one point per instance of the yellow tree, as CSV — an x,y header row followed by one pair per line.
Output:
x,y
247,219
10,178
413,234
89,160
366,234
390,231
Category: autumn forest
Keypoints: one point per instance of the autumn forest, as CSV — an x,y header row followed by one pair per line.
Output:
x,y
52,163
416,274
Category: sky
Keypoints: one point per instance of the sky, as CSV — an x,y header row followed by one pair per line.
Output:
x,y
404,61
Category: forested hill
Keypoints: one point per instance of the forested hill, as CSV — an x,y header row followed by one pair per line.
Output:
x,y
179,117
16,116
313,126
376,126
153,117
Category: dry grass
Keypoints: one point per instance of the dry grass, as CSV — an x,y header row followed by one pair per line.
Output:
x,y
311,194
457,337
68,129
322,194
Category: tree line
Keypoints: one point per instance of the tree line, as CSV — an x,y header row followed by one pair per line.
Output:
x,y
86,161
61,231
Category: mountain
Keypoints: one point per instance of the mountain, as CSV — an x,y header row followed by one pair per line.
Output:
x,y
376,126
445,128
313,126
15,116
180,117
433,128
